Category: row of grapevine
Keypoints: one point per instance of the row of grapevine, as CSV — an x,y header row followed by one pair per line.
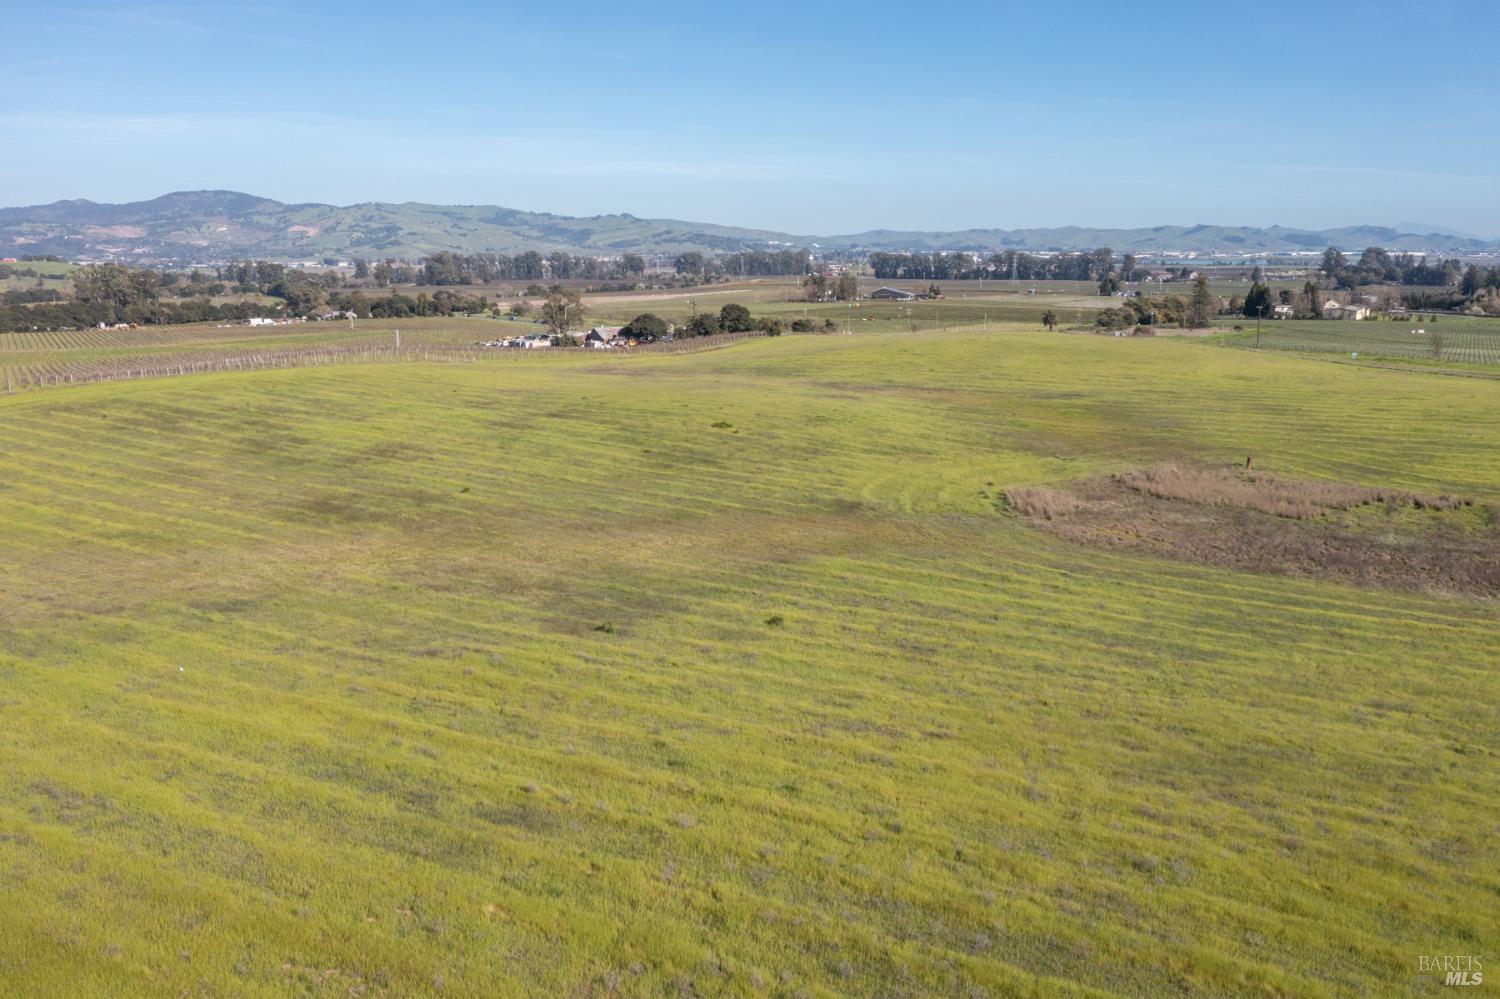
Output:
x,y
18,377
1456,342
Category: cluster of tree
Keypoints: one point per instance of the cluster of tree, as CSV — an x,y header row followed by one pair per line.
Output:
x,y
732,318
822,286
22,296
1477,280
111,293
73,314
398,306
483,268
1095,265
252,274
1376,266
1477,291
1193,312
1258,302
1169,310
744,263
758,263
562,311
113,284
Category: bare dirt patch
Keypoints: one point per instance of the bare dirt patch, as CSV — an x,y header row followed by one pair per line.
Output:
x,y
1261,522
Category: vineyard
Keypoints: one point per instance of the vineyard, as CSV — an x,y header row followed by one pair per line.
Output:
x,y
49,358
209,336
38,369
1450,339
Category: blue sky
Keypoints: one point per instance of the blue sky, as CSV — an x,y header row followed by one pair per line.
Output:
x,y
805,117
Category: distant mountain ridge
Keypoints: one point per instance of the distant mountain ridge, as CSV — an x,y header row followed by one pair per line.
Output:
x,y
207,226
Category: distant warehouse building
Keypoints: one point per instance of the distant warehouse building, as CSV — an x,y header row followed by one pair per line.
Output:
x,y
892,294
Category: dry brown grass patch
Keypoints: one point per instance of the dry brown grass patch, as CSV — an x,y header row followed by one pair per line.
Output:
x,y
1260,522
1034,501
1297,499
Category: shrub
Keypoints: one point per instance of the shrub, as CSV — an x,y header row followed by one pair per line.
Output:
x,y
735,318
704,324
646,327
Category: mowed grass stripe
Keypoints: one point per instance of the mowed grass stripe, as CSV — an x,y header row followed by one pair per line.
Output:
x,y
970,755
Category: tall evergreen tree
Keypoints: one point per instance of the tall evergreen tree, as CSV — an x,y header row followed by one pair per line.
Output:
x,y
1258,301
1201,308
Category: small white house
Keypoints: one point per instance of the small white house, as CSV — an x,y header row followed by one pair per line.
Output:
x,y
1283,311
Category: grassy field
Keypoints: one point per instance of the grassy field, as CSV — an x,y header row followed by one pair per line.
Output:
x,y
726,674
29,357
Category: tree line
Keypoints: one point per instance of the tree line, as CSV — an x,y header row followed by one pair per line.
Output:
x,y
111,293
1091,265
1378,266
745,263
445,268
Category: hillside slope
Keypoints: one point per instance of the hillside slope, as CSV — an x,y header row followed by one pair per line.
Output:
x,y
202,226
723,674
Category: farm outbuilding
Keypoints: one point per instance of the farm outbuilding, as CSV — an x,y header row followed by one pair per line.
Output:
x,y
1338,310
892,295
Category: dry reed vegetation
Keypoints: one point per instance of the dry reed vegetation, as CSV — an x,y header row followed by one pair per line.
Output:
x,y
1256,521
1300,500
1036,501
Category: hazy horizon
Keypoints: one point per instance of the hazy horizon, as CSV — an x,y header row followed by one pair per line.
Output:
x,y
1417,228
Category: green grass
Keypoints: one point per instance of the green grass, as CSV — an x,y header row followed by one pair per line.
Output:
x,y
43,267
723,672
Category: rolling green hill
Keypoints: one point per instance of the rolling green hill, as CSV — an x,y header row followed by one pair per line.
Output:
x,y
198,226
221,225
